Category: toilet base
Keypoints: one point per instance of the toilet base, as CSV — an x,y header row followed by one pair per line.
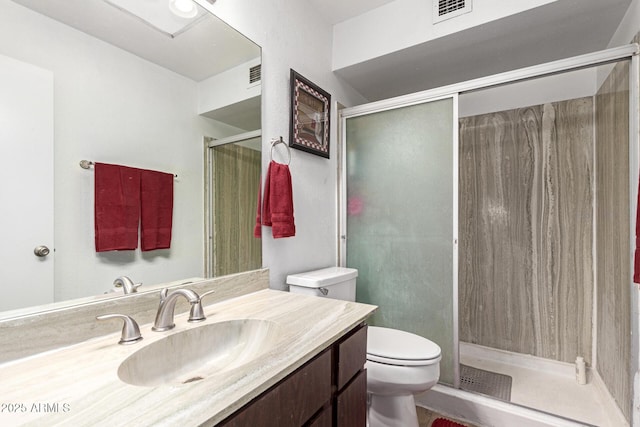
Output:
x,y
392,411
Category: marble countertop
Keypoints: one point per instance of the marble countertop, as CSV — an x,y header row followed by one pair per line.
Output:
x,y
79,385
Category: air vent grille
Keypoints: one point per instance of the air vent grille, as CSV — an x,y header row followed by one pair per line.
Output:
x,y
448,6
445,9
255,73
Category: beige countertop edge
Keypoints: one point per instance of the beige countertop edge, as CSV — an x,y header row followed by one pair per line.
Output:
x,y
79,385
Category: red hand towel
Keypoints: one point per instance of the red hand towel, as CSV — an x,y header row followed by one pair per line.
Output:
x,y
266,199
257,230
281,201
636,258
156,199
116,207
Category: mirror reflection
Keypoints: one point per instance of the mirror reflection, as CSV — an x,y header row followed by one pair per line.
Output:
x,y
233,175
123,82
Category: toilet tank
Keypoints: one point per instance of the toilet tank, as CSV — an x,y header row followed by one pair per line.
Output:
x,y
331,282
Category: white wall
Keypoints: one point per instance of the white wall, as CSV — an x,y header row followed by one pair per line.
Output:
x,y
405,23
559,87
227,88
113,107
629,26
627,30
292,37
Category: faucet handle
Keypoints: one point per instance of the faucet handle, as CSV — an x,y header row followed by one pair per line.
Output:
x,y
126,284
197,312
130,329
212,291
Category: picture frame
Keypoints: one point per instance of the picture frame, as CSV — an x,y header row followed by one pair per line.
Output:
x,y
310,116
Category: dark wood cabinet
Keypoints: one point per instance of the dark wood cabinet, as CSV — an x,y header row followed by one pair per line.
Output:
x,y
351,405
329,390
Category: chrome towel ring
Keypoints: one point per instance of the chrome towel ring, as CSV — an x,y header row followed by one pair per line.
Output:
x,y
275,142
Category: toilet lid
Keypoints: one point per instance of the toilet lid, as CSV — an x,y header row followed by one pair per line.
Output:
x,y
393,346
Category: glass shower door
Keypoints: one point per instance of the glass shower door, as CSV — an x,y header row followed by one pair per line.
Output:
x,y
400,208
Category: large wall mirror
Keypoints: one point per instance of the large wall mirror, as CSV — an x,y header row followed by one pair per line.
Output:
x,y
149,84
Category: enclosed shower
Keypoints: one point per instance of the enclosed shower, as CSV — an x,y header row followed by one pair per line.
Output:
x,y
544,240
495,217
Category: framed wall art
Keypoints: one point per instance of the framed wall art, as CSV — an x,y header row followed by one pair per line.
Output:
x,y
310,113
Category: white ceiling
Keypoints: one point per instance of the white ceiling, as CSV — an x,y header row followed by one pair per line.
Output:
x,y
558,30
207,48
335,11
561,29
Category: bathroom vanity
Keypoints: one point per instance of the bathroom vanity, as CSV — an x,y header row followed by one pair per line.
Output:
x,y
330,390
300,363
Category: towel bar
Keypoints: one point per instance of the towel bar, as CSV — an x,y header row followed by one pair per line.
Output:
x,y
86,164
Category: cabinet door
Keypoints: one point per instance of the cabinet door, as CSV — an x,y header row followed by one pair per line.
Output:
x,y
352,355
293,401
324,419
352,403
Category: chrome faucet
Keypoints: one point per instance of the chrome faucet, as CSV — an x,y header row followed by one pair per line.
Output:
x,y
126,284
130,330
197,312
164,317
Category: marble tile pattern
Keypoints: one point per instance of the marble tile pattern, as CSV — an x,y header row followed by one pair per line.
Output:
x,y
46,330
612,235
83,378
526,229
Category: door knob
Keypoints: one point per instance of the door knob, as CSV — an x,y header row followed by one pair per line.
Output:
x,y
41,251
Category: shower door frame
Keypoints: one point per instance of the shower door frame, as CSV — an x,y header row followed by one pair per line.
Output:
x,y
628,52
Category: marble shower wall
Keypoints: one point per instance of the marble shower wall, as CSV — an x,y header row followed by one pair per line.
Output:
x,y
526,229
612,225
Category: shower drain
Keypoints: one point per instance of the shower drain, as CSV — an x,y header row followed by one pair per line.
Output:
x,y
485,382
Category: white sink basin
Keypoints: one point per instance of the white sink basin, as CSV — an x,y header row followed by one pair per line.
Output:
x,y
199,352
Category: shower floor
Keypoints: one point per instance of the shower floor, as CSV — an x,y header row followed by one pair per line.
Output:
x,y
548,386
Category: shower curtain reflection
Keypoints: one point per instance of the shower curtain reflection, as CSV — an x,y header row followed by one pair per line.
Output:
x,y
235,179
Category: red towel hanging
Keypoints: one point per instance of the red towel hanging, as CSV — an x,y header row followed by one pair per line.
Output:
x,y
116,207
156,201
281,201
257,230
126,198
636,258
277,202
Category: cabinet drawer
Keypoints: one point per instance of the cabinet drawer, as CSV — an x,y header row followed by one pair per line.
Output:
x,y
352,403
352,355
293,401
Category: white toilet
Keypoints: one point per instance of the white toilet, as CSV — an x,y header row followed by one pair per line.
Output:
x,y
399,364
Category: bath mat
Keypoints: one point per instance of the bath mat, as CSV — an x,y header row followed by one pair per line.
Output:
x,y
442,422
485,382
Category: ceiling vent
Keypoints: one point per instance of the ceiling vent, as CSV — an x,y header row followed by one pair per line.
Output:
x,y
446,9
255,73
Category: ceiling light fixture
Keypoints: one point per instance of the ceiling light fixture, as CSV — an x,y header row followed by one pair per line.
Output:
x,y
183,8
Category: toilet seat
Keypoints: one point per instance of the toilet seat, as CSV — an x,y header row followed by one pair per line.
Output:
x,y
395,347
